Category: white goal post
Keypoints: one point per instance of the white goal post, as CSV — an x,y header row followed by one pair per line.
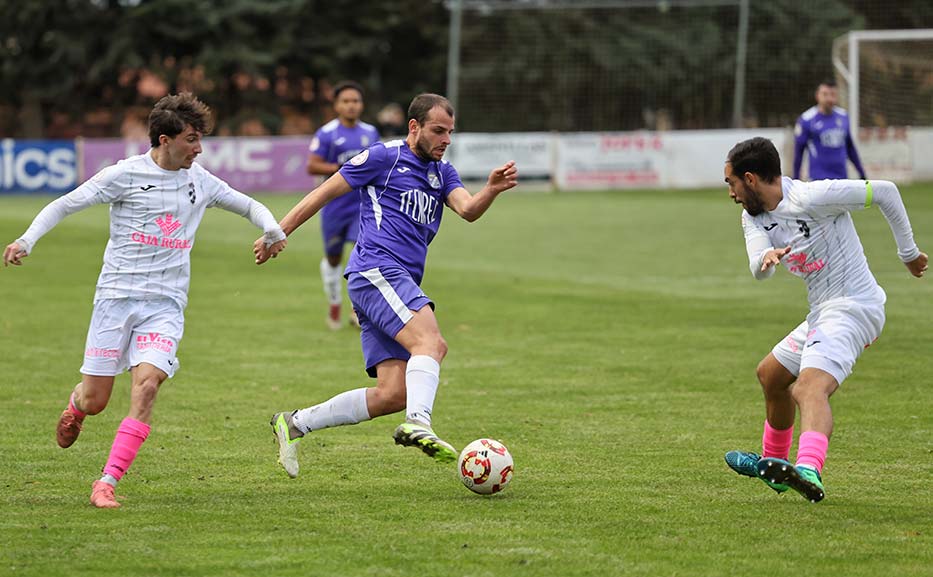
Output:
x,y
847,56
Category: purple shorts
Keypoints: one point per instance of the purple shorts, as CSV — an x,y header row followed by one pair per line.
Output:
x,y
339,225
384,299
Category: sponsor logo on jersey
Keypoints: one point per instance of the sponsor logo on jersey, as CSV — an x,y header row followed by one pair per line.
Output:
x,y
147,187
797,262
154,341
420,206
168,225
96,352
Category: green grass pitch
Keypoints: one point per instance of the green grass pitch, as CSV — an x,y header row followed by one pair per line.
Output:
x,y
609,339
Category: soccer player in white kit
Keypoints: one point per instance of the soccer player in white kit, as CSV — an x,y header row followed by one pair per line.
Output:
x,y
806,226
157,200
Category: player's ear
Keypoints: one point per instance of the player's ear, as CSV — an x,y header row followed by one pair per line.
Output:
x,y
412,125
163,139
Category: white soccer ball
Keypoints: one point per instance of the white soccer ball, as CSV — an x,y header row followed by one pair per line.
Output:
x,y
485,466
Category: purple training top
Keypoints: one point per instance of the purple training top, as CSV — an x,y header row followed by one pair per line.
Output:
x,y
401,202
828,142
337,143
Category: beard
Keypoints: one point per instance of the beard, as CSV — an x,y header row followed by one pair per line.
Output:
x,y
752,204
423,149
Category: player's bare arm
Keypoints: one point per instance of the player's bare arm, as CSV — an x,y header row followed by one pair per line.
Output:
x,y
773,257
471,207
317,166
14,253
307,207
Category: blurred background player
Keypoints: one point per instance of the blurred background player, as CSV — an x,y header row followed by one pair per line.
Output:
x,y
807,226
157,201
333,144
391,122
404,185
823,131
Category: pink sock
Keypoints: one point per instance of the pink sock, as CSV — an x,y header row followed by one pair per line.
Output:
x,y
130,437
776,442
812,450
74,408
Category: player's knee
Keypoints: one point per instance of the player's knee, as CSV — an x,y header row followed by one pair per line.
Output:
x,y
440,348
805,393
762,373
94,402
774,378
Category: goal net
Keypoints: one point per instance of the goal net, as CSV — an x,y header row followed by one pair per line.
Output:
x,y
886,83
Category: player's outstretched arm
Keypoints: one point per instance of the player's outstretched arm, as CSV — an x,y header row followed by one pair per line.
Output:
x,y
888,199
471,207
307,207
13,254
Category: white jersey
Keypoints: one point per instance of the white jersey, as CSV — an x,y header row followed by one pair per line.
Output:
x,y
154,215
813,219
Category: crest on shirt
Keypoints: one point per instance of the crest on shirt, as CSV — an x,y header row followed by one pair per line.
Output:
x,y
433,180
360,158
192,194
364,140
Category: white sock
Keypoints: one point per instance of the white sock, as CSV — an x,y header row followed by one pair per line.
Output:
x,y
348,408
421,378
333,282
110,480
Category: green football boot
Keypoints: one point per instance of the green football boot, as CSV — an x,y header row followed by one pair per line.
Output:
x,y
746,463
287,436
422,437
803,479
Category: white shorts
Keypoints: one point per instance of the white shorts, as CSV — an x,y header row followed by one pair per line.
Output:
x,y
126,332
832,338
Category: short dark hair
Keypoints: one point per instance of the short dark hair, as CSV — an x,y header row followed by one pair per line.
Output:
x,y
831,82
423,103
347,84
172,113
756,155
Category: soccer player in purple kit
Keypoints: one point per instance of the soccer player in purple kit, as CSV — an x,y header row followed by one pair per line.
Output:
x,y
403,186
333,144
823,130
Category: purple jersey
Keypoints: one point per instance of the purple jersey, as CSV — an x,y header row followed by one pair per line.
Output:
x,y
828,142
401,200
337,143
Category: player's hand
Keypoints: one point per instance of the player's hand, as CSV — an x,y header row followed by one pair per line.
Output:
x,y
259,250
773,257
918,266
503,178
275,248
14,253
